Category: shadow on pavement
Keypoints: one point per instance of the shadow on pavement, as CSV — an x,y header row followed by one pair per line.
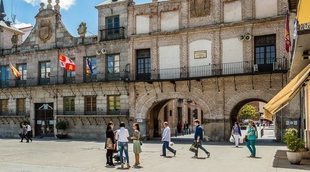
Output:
x,y
280,161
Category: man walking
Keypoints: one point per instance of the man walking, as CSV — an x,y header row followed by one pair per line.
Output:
x,y
198,138
166,138
29,133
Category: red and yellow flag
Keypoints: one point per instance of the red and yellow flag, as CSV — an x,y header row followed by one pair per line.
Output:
x,y
15,72
287,34
66,63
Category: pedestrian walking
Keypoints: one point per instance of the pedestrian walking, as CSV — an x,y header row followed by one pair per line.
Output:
x,y
166,139
236,133
122,136
29,133
179,128
186,128
136,143
198,139
23,132
251,135
110,144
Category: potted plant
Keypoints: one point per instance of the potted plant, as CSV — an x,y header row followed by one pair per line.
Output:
x,y
295,145
62,126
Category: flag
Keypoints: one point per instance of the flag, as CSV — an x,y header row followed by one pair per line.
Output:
x,y
89,67
15,72
287,34
66,63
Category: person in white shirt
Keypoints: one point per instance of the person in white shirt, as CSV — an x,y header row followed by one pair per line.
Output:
x,y
29,133
166,138
122,136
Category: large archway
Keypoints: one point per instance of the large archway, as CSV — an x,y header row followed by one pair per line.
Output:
x,y
179,113
177,109
266,129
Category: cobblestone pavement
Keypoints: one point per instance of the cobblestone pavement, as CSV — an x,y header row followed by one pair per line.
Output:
x,y
76,156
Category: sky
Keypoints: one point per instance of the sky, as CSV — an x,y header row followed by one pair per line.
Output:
x,y
73,12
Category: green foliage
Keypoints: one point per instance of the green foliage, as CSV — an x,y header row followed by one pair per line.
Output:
x,y
62,125
248,112
292,141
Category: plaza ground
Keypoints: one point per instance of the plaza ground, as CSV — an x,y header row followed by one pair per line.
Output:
x,y
75,156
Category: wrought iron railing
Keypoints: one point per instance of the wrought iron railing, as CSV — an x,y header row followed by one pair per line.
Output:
x,y
112,34
14,113
223,69
77,113
183,73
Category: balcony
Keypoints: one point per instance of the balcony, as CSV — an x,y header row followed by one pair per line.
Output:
x,y
112,34
224,69
82,113
4,84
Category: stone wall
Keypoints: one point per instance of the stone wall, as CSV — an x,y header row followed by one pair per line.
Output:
x,y
217,97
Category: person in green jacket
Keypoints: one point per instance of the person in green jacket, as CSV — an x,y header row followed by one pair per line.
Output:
x,y
251,134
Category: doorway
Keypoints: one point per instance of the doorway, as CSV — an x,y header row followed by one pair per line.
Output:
x,y
44,120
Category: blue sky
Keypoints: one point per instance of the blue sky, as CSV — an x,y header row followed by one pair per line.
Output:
x,y
73,13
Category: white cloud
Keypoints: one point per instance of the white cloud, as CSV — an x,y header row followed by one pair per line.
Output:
x,y
18,24
64,4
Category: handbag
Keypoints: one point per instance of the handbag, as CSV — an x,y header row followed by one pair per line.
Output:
x,y
141,143
232,139
245,139
193,147
109,144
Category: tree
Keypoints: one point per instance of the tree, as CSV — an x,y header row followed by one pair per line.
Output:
x,y
248,112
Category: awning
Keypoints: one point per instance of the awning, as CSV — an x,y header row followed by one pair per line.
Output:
x,y
286,94
303,12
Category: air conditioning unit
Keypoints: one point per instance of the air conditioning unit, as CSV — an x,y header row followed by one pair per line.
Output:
x,y
101,52
241,38
255,68
275,66
247,36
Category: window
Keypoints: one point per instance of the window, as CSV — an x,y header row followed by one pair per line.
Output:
x,y
265,52
45,72
69,75
22,68
112,24
90,69
114,104
143,64
4,106
113,66
4,74
21,106
69,105
90,105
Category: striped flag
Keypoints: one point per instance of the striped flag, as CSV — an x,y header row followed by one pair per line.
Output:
x,y
66,63
89,67
287,34
15,72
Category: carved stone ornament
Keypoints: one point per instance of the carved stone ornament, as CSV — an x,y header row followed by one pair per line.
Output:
x,y
45,30
199,8
14,40
82,29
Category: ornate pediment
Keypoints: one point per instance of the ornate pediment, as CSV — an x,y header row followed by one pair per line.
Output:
x,y
200,8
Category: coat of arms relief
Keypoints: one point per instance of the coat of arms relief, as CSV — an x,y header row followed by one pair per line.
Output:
x,y
45,30
199,8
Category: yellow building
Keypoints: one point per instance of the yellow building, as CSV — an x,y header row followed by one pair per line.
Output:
x,y
299,85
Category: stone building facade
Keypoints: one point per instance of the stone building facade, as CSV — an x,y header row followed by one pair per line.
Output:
x,y
219,54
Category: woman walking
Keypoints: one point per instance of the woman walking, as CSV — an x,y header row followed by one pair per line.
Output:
x,y
251,135
122,136
136,144
110,144
236,133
